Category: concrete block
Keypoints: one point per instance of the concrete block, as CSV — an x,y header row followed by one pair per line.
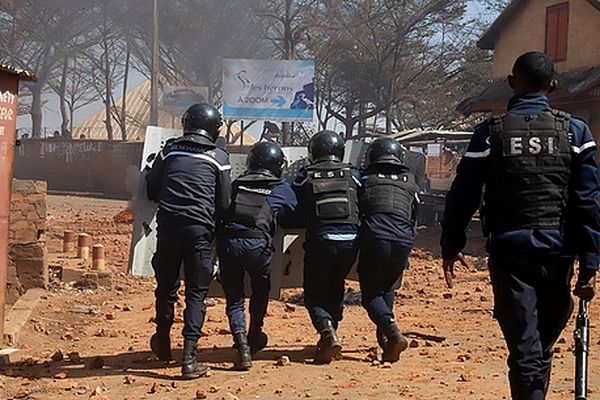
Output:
x,y
71,274
32,273
23,186
20,313
85,277
28,250
9,356
41,186
25,235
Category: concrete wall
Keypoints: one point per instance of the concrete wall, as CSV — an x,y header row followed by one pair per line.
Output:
x,y
85,166
27,266
526,31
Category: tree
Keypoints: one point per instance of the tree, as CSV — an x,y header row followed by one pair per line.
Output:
x,y
369,53
48,30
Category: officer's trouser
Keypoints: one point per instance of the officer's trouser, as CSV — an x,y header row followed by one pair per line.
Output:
x,y
326,265
190,245
532,305
236,256
381,264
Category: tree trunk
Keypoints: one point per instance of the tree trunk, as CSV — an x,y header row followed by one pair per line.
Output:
x,y
124,102
71,113
108,93
36,110
349,122
62,89
388,122
362,124
285,133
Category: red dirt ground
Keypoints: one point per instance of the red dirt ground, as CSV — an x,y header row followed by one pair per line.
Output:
x,y
468,365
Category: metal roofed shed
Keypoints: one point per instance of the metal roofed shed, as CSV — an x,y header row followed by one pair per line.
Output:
x,y
22,74
570,84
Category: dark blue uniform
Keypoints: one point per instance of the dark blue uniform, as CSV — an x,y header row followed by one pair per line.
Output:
x,y
330,251
238,254
386,240
530,269
190,181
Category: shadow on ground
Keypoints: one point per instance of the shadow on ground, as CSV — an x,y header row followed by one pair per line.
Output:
x,y
144,364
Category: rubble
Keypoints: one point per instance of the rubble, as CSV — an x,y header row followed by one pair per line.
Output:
x,y
454,347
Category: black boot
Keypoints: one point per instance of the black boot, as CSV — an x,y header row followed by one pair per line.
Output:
x,y
244,359
328,346
258,340
190,369
160,344
396,343
381,338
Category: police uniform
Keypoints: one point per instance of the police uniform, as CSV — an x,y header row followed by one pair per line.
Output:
x,y
190,181
388,203
540,211
246,245
327,193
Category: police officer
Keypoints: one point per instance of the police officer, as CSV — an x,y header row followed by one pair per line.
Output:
x,y
328,208
537,170
245,244
388,202
190,181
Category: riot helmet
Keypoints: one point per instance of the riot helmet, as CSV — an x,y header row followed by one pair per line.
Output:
x,y
266,157
385,150
202,119
326,145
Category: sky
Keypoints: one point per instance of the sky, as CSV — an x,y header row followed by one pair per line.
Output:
x,y
52,118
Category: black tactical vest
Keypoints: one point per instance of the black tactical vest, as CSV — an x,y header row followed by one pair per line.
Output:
x,y
529,171
389,194
334,193
250,207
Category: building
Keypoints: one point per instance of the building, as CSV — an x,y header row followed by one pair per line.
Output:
x,y
569,32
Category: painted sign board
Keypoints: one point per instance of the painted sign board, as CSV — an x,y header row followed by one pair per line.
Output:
x,y
177,99
272,90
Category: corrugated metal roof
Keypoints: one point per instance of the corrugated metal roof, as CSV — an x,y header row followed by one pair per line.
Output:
x,y
23,74
416,135
572,82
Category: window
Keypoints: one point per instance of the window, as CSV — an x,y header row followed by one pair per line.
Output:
x,y
557,24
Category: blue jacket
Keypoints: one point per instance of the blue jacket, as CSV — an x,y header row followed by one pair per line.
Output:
x,y
304,212
583,216
190,181
281,199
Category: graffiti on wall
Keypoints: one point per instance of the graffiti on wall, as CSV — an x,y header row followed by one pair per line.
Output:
x,y
70,151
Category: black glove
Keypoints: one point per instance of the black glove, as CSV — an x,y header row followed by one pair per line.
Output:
x,y
585,288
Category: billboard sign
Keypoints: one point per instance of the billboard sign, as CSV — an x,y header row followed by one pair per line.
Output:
x,y
268,90
177,99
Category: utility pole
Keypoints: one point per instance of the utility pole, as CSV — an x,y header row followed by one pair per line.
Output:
x,y
288,47
154,73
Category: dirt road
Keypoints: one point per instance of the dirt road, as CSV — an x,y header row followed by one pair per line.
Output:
x,y
112,359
